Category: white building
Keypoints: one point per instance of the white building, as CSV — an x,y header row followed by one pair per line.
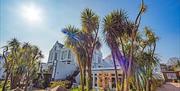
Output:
x,y
63,62
104,76
2,74
43,67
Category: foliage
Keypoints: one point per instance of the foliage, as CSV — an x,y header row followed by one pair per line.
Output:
x,y
21,63
174,63
83,42
76,89
134,49
59,83
7,86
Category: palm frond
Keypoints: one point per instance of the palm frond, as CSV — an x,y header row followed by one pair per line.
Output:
x,y
90,21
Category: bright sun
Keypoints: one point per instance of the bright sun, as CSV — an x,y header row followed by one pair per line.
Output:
x,y
32,13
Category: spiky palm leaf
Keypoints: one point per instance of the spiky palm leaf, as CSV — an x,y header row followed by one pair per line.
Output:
x,y
90,21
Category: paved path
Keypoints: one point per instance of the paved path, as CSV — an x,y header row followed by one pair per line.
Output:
x,y
170,87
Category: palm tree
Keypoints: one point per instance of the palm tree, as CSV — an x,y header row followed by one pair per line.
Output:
x,y
133,39
76,44
13,56
121,36
20,61
10,55
151,39
85,40
90,28
114,27
31,57
144,59
7,67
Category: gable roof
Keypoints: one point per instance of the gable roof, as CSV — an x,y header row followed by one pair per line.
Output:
x,y
59,44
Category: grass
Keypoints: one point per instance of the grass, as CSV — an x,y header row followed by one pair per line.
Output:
x,y
75,89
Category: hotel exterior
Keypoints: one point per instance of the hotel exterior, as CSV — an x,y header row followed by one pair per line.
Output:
x,y
104,76
62,63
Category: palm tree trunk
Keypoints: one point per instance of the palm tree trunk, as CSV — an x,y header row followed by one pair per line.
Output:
x,y
147,85
13,82
137,84
81,80
122,82
84,76
126,83
27,82
7,70
115,68
5,82
133,38
26,85
89,84
123,66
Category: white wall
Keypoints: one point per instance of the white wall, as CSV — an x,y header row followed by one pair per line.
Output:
x,y
63,70
97,59
63,65
2,74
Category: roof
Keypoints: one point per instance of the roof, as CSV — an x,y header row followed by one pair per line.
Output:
x,y
108,62
106,68
59,44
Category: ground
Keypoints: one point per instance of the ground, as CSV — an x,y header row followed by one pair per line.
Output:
x,y
165,87
170,87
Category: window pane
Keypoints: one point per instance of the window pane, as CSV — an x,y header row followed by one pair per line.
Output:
x,y
55,56
62,55
69,54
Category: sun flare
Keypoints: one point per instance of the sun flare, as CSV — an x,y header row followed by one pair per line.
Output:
x,y
32,13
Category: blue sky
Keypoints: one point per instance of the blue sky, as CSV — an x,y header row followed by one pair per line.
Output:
x,y
163,16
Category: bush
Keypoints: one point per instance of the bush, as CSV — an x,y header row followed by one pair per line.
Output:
x,y
156,84
75,89
7,85
64,84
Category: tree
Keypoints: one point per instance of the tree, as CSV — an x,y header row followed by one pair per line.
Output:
x,y
121,35
11,57
133,37
124,39
145,60
87,39
174,63
7,67
73,36
151,42
135,53
31,57
21,62
90,28
114,24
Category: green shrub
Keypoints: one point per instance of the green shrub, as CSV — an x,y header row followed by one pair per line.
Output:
x,y
75,89
64,84
7,85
